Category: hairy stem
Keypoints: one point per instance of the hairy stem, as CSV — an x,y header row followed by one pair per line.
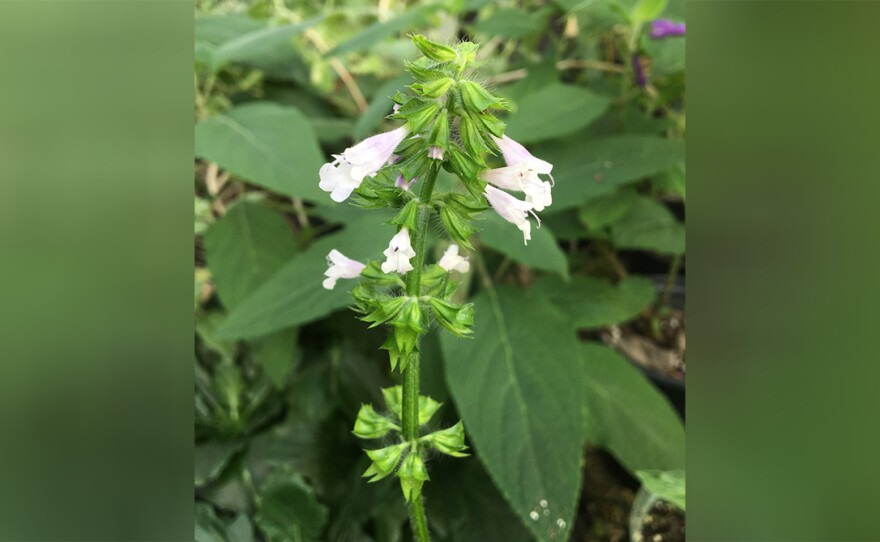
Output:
x,y
411,373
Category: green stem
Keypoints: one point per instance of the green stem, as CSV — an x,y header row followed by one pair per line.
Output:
x,y
670,279
410,420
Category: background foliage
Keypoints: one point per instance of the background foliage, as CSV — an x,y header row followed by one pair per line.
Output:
x,y
281,370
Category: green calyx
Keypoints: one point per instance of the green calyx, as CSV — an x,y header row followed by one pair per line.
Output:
x,y
370,424
448,441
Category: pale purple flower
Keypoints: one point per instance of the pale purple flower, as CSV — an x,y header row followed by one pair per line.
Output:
x,y
340,268
511,209
451,261
664,28
514,154
342,176
435,152
522,179
398,254
402,183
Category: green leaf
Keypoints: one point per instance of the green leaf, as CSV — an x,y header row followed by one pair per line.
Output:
x,y
264,143
293,295
211,458
606,209
649,225
380,106
289,511
208,527
244,248
542,252
626,414
585,169
668,485
590,302
216,29
264,47
647,10
511,23
277,354
376,32
515,384
554,110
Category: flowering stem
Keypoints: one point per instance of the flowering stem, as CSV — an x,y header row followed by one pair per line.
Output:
x,y
410,420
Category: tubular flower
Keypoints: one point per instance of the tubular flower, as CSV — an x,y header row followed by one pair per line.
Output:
x,y
511,209
514,154
664,28
523,179
435,152
342,176
402,183
451,261
340,268
398,253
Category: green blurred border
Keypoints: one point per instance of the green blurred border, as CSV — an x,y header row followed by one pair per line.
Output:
x,y
782,270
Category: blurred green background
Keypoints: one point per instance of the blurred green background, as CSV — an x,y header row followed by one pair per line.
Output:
x,y
592,308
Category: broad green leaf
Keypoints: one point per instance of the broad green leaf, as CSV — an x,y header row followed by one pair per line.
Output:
x,y
277,354
216,29
211,458
267,47
511,23
289,511
373,33
599,212
668,485
542,252
590,302
380,106
515,384
627,415
266,144
208,527
553,111
473,511
244,248
294,294
585,169
649,225
647,10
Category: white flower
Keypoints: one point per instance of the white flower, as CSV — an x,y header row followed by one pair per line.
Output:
x,y
523,179
343,175
451,261
511,209
435,152
398,253
340,268
402,183
514,153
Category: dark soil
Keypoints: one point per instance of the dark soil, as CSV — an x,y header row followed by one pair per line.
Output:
x,y
606,501
663,523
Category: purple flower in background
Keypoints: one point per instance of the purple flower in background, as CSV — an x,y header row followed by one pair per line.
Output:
x,y
639,71
664,28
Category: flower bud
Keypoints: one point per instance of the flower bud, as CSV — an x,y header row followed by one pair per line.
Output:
x,y
417,113
456,318
434,50
471,137
477,99
457,226
385,460
370,424
440,132
413,475
448,441
435,88
408,216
